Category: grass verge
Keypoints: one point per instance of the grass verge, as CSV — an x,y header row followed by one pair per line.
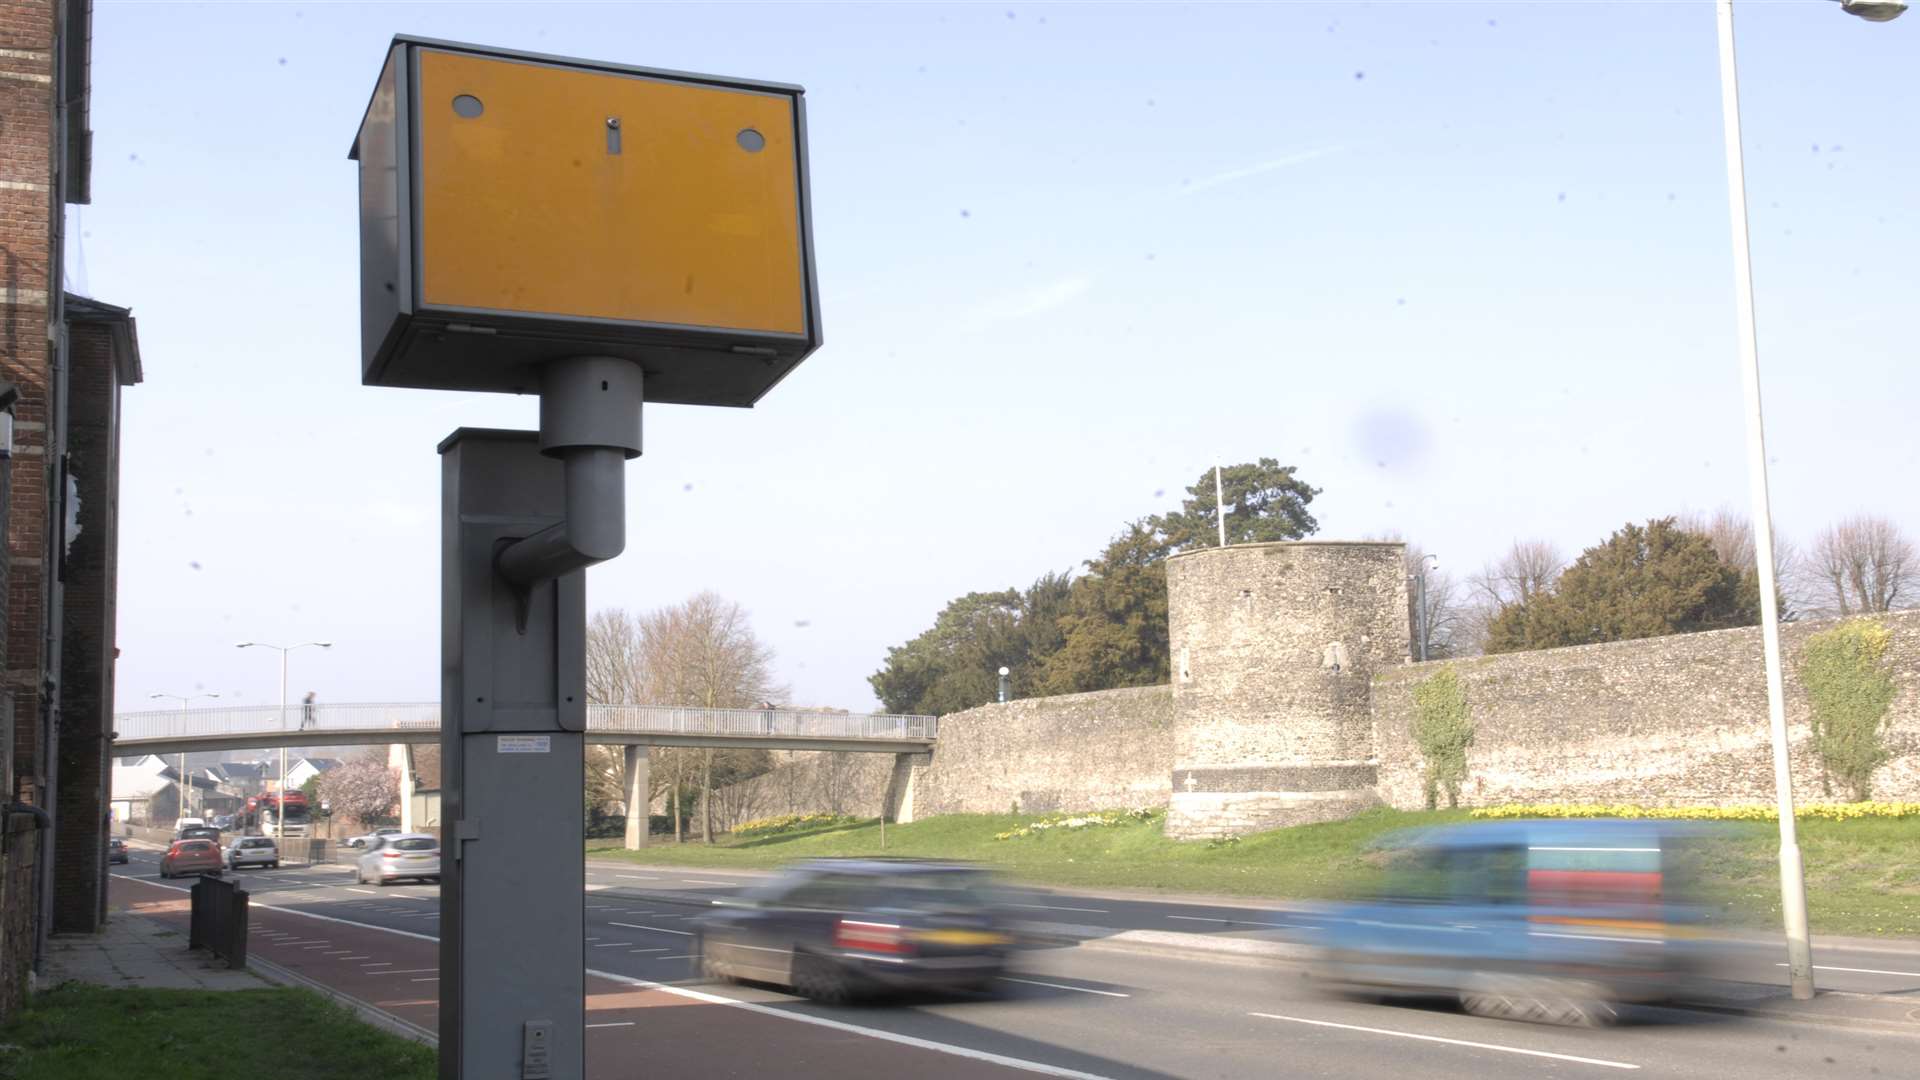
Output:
x,y
1863,875
81,1032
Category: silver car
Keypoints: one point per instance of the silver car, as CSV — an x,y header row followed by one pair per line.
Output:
x,y
402,856
253,851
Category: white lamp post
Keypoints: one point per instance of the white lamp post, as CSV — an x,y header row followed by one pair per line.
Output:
x,y
183,699
280,814
1793,886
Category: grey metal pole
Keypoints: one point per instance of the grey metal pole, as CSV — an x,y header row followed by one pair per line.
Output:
x,y
1423,612
1220,505
280,808
1793,887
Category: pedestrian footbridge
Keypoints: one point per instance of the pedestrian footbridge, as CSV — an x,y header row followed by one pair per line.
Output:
x,y
242,727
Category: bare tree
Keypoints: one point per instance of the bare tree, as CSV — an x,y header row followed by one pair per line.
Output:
x,y
616,675
1863,565
702,652
1731,534
1529,569
1441,607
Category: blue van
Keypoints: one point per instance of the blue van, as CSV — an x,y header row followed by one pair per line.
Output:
x,y
1554,921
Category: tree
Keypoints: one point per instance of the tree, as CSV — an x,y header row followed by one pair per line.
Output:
x,y
1115,627
364,788
955,664
1527,570
1265,502
1861,566
1447,620
1642,582
702,652
1850,689
616,675
1731,534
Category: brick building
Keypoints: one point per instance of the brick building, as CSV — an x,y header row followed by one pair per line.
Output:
x,y
64,361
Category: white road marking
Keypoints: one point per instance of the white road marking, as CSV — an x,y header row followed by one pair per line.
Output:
x,y
699,881
338,952
637,877
615,1023
1057,907
636,913
647,950
1064,986
612,944
655,929
300,943
356,958
369,892
1863,971
406,971
429,978
1452,1042
1199,918
840,1025
381,963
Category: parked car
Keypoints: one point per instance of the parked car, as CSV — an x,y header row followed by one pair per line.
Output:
x,y
398,857
198,832
253,851
1549,921
191,857
116,850
364,840
839,929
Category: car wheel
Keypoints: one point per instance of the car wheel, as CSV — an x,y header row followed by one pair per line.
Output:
x,y
274,865
822,980
1559,1002
713,970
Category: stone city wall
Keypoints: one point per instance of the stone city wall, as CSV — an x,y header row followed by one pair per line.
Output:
x,y
1670,720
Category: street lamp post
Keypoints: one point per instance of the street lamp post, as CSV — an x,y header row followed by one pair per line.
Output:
x,y
183,699
1419,577
1793,886
280,812
1006,685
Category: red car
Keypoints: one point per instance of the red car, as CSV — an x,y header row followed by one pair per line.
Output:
x,y
191,858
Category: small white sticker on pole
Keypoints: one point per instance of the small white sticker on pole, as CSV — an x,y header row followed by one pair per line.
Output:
x,y
524,744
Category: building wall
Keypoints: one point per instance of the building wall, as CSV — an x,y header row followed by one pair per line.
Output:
x,y
27,284
1272,648
87,649
1671,720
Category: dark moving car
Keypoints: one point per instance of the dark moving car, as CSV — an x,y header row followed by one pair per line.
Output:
x,y
835,930
191,857
199,832
116,850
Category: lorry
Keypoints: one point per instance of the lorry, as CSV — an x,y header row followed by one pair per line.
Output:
x,y
263,814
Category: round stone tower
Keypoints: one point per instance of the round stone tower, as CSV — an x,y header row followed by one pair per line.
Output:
x,y
1274,647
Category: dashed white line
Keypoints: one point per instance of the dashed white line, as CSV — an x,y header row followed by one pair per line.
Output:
x,y
682,956
699,881
647,950
356,958
637,877
406,971
1058,907
1602,1062
429,978
1199,918
614,1023
369,892
381,963
300,943
612,944
1064,986
655,929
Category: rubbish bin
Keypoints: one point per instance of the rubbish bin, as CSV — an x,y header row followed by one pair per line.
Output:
x,y
317,851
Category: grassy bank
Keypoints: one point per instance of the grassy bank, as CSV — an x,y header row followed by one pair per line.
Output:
x,y
1863,876
78,1032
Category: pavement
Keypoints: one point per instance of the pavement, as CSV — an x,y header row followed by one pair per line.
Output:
x,y
141,952
1098,1006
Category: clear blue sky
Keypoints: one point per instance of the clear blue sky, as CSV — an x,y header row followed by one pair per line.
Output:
x,y
1467,265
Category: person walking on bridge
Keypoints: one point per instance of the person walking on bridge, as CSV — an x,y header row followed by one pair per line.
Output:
x,y
306,710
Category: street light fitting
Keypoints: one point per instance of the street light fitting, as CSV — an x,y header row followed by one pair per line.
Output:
x,y
1006,671
1875,10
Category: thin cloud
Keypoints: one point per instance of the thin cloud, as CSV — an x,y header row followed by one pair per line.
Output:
x,y
1034,301
1274,165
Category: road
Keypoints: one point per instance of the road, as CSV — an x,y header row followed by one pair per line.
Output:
x,y
1068,1011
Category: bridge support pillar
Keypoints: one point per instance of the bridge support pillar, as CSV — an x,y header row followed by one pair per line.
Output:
x,y
898,806
638,786
400,757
